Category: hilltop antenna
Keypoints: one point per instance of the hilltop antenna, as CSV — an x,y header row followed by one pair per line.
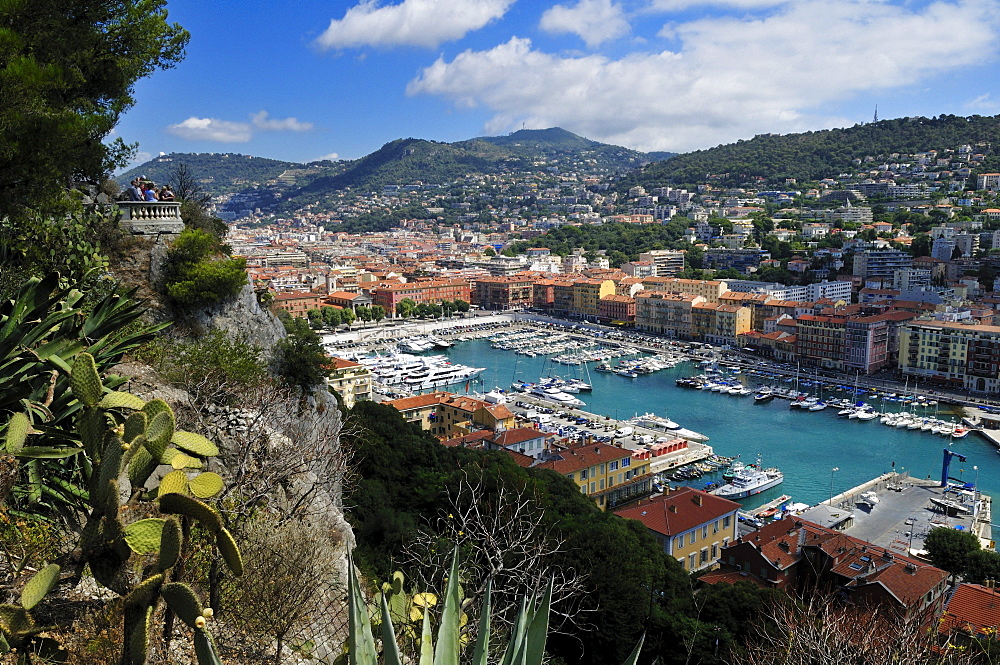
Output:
x,y
876,114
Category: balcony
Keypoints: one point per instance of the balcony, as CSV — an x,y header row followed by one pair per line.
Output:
x,y
150,218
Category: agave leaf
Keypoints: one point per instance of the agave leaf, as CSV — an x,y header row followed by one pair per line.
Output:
x,y
426,642
538,629
45,452
360,641
390,650
634,656
449,629
481,651
516,636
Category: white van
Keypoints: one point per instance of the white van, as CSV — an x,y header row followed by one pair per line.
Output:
x,y
624,431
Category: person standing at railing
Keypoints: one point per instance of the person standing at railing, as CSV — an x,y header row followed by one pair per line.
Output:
x,y
133,193
165,194
149,192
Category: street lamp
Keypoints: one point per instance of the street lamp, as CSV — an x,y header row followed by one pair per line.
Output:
x,y
832,471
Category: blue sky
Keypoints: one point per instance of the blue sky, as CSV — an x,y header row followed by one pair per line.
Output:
x,y
308,79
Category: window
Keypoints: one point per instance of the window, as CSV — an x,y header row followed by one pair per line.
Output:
x,y
704,531
703,555
613,466
626,462
725,521
715,526
602,483
692,537
715,551
691,561
592,486
583,475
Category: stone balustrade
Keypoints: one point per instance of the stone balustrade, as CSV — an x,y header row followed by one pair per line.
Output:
x,y
151,217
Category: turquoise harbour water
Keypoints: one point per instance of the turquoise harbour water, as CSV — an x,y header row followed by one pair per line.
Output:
x,y
806,446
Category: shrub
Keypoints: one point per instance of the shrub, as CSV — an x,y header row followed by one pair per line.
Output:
x,y
199,273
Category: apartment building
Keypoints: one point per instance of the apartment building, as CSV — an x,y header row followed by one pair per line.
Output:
x,y
953,354
616,308
587,294
351,380
504,293
607,474
691,525
421,291
709,289
667,314
665,262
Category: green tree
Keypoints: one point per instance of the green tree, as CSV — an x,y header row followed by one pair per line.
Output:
x,y
982,565
949,549
300,359
462,306
331,316
194,203
921,245
378,313
198,273
67,73
364,312
405,307
315,319
489,251
347,316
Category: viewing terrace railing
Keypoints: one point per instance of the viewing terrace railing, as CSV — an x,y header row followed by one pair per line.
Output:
x,y
151,217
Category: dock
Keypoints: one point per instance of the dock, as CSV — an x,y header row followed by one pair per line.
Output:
x,y
905,510
693,451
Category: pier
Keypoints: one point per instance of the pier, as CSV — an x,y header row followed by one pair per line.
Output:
x,y
904,512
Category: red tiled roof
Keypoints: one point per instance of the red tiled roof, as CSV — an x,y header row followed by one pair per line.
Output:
x,y
584,456
679,511
972,609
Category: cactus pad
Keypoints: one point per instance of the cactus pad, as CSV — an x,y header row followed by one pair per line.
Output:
x,y
184,505
175,481
17,432
155,406
158,433
140,467
143,537
184,461
205,485
15,620
85,380
145,592
229,551
170,544
91,426
195,444
39,585
397,582
138,636
183,601
121,400
135,425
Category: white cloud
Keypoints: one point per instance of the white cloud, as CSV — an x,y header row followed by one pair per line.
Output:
x,y
595,21
426,23
332,157
228,131
730,77
212,129
263,122
679,5
984,104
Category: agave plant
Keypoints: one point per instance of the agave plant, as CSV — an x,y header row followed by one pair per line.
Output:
x,y
526,645
42,330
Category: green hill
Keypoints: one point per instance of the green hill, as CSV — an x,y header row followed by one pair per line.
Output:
x,y
286,186
814,155
218,173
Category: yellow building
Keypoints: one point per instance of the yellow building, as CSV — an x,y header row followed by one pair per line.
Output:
x,y
587,294
692,526
607,474
709,289
665,313
952,354
446,415
351,380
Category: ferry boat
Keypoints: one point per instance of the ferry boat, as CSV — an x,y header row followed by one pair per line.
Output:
x,y
750,480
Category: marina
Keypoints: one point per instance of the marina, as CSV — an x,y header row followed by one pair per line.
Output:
x,y
820,452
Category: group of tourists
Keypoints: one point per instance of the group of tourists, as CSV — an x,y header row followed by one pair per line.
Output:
x,y
142,189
